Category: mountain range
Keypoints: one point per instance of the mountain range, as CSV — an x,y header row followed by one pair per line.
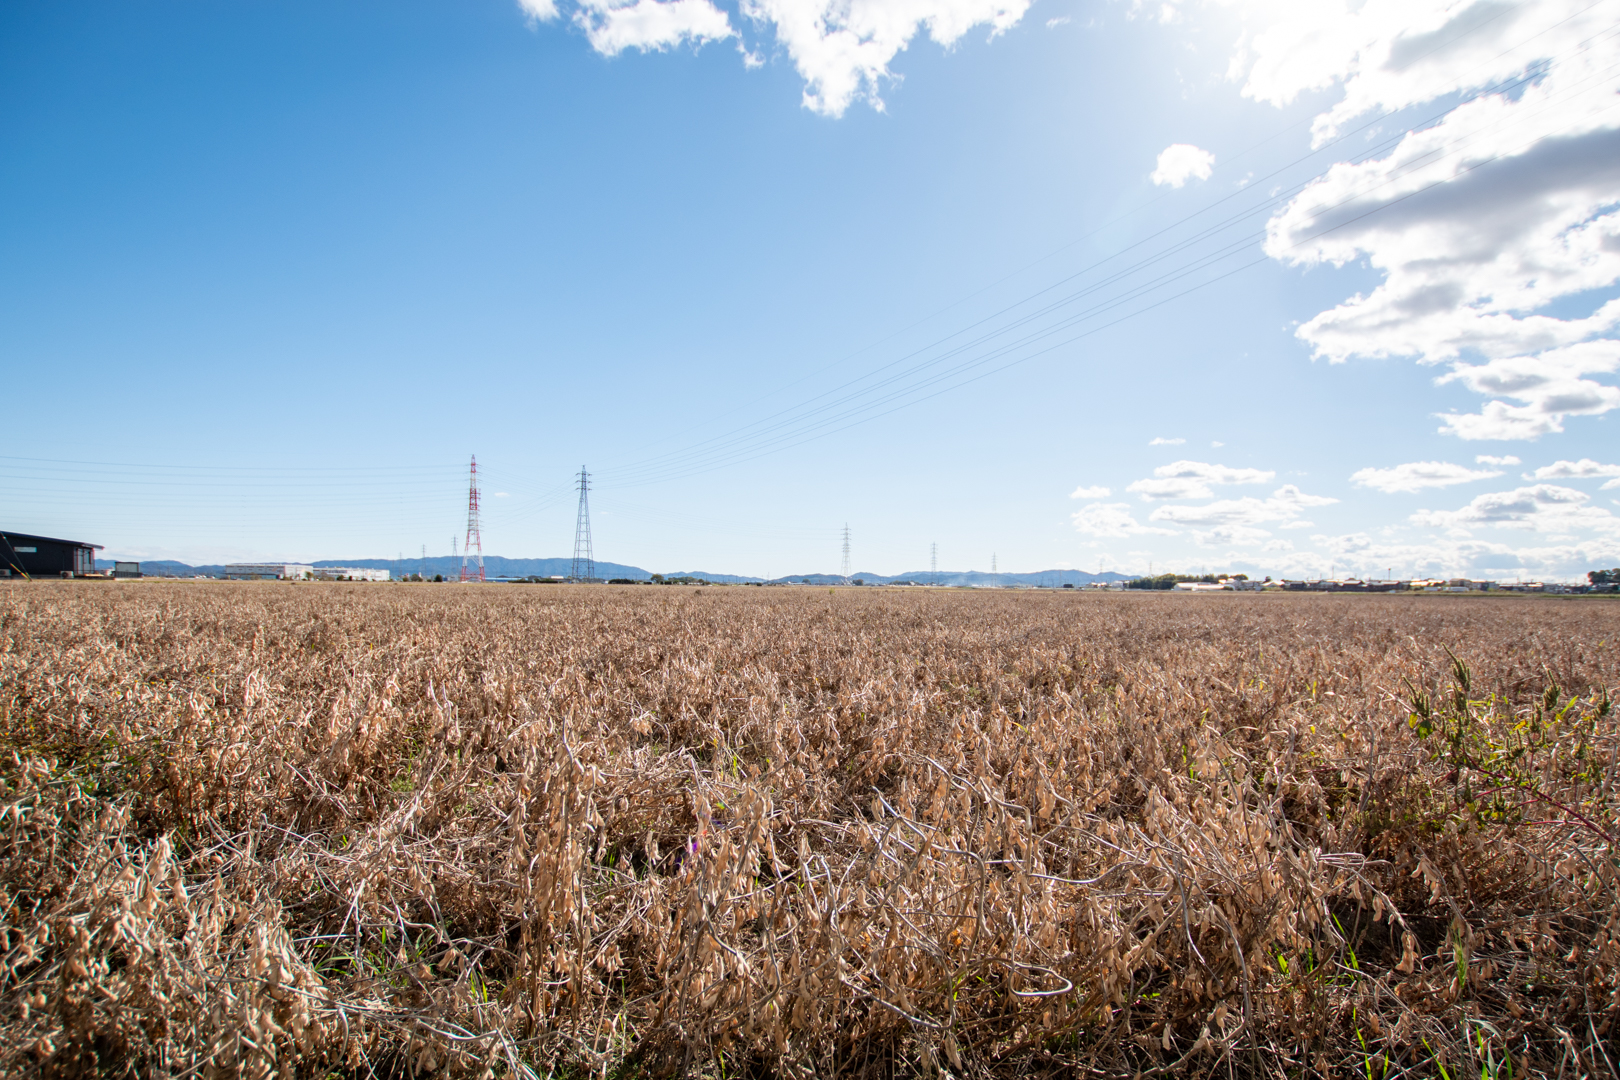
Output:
x,y
498,566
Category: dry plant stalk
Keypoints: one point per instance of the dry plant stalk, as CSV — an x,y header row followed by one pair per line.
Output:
x,y
274,830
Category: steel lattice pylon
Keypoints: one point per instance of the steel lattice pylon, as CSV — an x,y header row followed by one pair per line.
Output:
x,y
584,568
473,550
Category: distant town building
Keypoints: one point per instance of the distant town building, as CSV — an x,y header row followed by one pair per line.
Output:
x,y
27,555
348,573
268,572
126,569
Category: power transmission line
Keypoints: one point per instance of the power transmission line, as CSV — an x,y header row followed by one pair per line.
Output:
x,y
798,432
1504,87
845,571
799,424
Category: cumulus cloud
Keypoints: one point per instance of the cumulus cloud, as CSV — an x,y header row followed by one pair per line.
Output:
x,y
1549,385
1478,223
1233,536
1584,469
1491,459
1438,556
1547,508
1180,162
1284,505
1083,492
613,26
1160,440
1193,480
1113,519
1416,475
842,48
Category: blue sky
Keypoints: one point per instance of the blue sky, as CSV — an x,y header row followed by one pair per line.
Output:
x,y
1294,289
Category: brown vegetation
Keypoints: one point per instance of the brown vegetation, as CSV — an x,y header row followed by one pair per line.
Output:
x,y
396,830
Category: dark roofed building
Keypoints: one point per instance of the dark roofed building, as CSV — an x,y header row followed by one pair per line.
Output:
x,y
44,556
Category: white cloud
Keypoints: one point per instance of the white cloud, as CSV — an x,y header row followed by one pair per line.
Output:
x,y
1192,480
1160,440
1061,20
1180,162
1477,223
1584,469
1359,553
502,495
1488,459
540,10
1217,444
1112,519
1416,475
615,25
1232,536
1083,492
1549,384
842,48
1284,505
1546,508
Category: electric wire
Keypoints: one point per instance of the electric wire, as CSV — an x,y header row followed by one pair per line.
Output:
x,y
628,473
753,443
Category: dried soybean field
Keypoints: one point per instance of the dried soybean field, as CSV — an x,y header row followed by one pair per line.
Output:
x,y
312,830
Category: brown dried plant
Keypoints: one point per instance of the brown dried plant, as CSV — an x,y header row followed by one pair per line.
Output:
x,y
293,830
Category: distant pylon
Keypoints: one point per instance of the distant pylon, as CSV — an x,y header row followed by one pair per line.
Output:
x,y
845,571
473,549
995,579
584,568
933,563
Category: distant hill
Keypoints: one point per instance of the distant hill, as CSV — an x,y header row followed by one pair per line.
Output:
x,y
964,578
498,566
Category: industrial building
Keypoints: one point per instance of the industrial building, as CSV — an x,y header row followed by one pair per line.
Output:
x,y
348,573
268,572
26,555
300,572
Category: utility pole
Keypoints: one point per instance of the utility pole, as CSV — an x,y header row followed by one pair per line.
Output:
x,y
584,566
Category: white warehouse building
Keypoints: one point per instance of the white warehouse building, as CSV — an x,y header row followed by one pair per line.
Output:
x,y
253,571
348,573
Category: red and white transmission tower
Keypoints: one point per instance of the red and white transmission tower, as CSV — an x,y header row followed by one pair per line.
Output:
x,y
474,547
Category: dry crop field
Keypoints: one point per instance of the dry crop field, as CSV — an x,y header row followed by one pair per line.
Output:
x,y
409,830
